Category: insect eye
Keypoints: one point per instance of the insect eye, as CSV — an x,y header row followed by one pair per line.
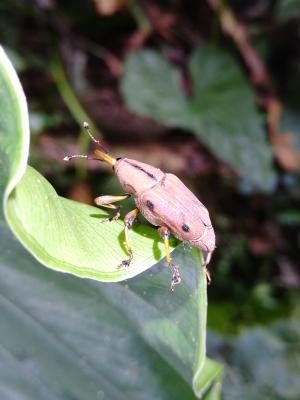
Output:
x,y
150,205
185,228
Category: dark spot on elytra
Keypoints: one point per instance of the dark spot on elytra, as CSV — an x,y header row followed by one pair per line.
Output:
x,y
150,205
185,228
143,170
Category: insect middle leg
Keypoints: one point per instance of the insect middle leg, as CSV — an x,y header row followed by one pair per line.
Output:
x,y
176,279
107,202
128,221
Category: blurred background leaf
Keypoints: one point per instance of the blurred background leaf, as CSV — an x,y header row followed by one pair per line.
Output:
x,y
255,268
287,9
231,128
264,363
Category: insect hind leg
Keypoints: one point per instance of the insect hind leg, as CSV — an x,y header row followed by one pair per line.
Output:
x,y
176,278
206,262
128,221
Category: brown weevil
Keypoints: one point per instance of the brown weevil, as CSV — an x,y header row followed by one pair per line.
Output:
x,y
163,200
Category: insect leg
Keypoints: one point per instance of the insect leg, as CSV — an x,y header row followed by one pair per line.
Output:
x,y
207,260
128,221
165,234
107,202
176,279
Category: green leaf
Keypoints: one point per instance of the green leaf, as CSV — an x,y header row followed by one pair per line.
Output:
x,y
221,112
263,362
232,128
62,234
14,129
150,87
68,345
70,237
287,9
65,338
290,122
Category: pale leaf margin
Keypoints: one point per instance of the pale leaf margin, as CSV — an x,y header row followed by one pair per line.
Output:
x,y
19,164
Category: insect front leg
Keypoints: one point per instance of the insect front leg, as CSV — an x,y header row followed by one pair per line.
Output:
x,y
107,202
128,221
176,279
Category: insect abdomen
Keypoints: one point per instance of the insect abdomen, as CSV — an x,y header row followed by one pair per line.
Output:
x,y
172,204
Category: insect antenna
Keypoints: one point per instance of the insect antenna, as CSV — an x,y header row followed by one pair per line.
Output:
x,y
68,158
102,153
87,128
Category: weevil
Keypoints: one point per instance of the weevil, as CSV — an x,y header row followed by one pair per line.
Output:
x,y
163,200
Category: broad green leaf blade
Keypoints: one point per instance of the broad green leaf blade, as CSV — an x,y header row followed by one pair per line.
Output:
x,y
151,87
225,115
14,129
221,112
62,337
72,237
63,235
51,354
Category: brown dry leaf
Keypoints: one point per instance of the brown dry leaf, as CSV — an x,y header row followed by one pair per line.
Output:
x,y
240,35
161,21
109,7
137,40
260,246
287,156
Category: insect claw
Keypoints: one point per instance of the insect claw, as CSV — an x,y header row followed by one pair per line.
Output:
x,y
110,219
176,278
125,263
207,273
106,220
114,217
